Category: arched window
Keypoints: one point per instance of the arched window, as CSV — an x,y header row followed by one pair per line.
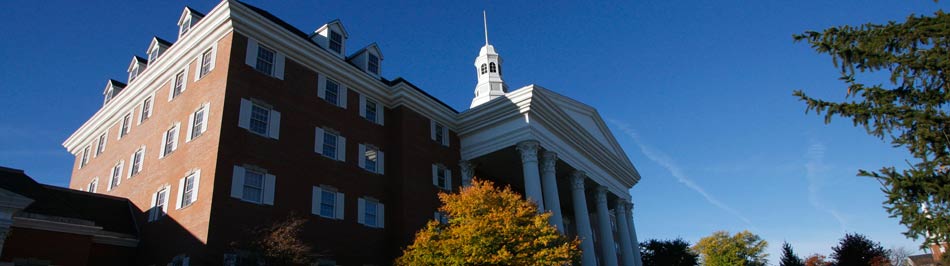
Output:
x,y
492,67
484,69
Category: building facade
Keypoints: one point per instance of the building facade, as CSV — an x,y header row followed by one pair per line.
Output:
x,y
245,120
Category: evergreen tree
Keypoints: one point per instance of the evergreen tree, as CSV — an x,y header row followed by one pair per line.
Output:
x,y
490,226
667,253
722,249
857,250
911,109
789,258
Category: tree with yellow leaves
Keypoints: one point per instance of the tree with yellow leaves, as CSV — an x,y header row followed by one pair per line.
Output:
x,y
490,226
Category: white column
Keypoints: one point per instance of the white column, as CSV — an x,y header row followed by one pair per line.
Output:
x,y
626,250
633,234
609,256
468,171
529,165
549,183
582,219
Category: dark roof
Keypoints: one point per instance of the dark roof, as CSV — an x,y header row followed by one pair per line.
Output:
x,y
113,214
114,83
162,41
306,37
137,58
194,12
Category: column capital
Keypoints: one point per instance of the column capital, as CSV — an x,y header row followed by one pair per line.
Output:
x,y
548,160
622,202
601,194
577,179
529,150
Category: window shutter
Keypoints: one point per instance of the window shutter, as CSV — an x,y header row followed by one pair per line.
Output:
x,y
342,97
274,124
339,205
237,182
380,114
445,136
244,119
321,86
362,156
152,211
161,150
318,141
214,54
341,148
380,215
194,192
191,123
316,200
197,67
177,132
380,162
432,129
181,192
360,209
251,58
269,183
131,164
362,106
204,119
448,179
435,175
279,66
164,204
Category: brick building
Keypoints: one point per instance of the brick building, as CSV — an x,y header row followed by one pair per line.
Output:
x,y
245,119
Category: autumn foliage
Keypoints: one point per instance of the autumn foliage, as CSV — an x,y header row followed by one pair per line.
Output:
x,y
490,226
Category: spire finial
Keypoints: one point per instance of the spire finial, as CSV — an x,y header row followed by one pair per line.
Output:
x,y
485,20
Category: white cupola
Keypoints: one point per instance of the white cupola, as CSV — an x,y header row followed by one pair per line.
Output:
x,y
488,68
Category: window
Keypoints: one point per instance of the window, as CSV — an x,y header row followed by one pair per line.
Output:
x,y
136,160
184,27
253,184
178,85
439,133
330,143
206,63
84,159
336,42
327,202
265,60
484,69
371,213
188,189
332,92
371,110
115,178
146,109
491,67
159,204
259,119
101,145
134,73
93,186
197,122
371,159
373,64
126,123
169,141
442,176
441,218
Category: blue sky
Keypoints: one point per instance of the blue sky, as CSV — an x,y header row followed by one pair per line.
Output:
x,y
698,93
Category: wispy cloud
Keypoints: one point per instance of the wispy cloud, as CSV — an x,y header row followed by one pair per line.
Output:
x,y
670,165
814,169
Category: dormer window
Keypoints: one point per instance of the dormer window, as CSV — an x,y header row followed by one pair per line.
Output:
x,y
336,42
373,64
156,48
112,89
184,28
188,19
133,74
136,67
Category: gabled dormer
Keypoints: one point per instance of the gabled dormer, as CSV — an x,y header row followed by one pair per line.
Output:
x,y
331,36
113,87
156,48
136,67
369,59
188,19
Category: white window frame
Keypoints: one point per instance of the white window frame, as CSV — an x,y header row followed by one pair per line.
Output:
x,y
277,66
380,110
211,52
330,42
320,141
380,158
267,191
438,169
84,157
380,221
273,120
370,62
434,132
342,91
192,122
155,214
146,113
317,202
195,175
174,81
162,149
93,185
115,176
133,170
125,125
101,143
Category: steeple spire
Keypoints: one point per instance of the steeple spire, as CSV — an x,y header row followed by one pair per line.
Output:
x,y
488,70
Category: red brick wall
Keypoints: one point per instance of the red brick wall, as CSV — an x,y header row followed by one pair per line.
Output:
x,y
58,248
